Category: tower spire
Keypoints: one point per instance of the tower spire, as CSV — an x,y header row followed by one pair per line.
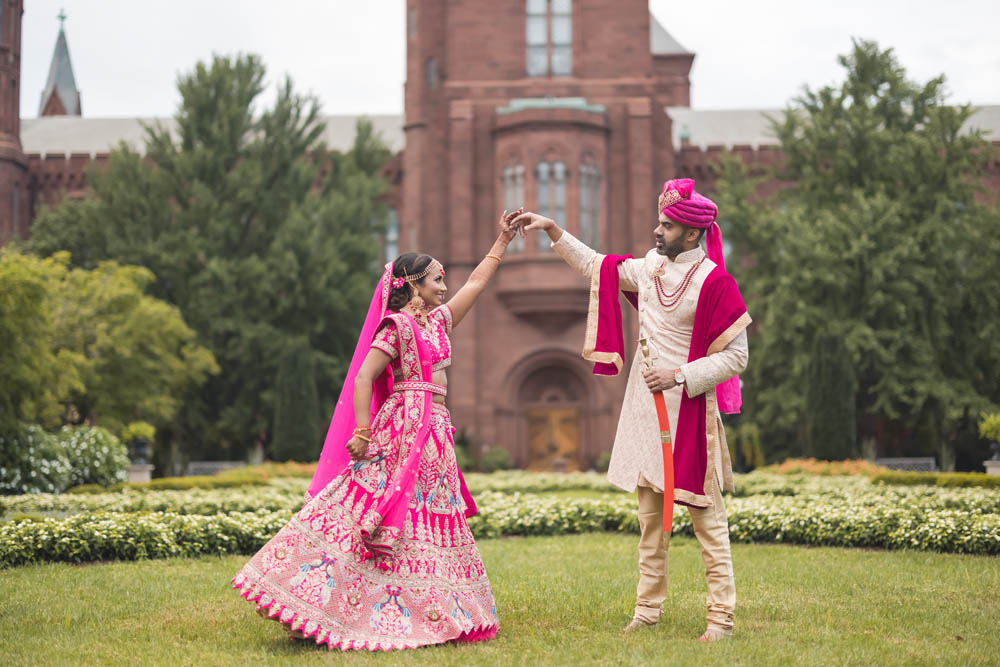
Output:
x,y
60,96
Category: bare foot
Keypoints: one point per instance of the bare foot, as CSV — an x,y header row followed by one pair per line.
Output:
x,y
715,634
637,624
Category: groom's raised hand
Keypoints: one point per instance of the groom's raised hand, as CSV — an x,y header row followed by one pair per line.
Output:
x,y
528,221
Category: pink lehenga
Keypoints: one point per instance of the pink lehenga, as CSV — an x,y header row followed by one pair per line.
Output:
x,y
381,556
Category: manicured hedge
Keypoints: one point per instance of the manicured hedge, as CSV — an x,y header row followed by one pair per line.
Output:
x,y
225,480
289,494
942,479
817,467
789,519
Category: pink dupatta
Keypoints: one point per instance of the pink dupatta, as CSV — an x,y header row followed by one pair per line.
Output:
x,y
334,456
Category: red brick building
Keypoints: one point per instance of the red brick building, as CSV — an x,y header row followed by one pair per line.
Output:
x,y
575,108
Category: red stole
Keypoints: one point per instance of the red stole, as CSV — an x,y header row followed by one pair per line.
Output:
x,y
720,316
603,343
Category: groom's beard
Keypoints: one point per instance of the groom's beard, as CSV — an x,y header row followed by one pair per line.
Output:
x,y
670,249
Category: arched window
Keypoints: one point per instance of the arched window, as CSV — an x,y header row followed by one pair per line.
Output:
x,y
551,196
513,197
549,37
590,198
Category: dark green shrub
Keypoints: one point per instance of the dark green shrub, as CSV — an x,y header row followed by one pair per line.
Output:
x,y
463,459
493,460
602,462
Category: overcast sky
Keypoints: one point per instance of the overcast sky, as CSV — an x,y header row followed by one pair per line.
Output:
x,y
127,54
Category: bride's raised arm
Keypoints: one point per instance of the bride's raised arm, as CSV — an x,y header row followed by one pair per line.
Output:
x,y
465,298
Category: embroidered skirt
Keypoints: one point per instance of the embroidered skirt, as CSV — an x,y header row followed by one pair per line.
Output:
x,y
430,587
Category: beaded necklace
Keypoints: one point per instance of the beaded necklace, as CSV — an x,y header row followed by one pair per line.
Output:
x,y
670,300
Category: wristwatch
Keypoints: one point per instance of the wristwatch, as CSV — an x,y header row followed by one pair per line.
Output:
x,y
678,376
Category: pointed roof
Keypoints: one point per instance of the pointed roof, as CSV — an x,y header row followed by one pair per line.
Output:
x,y
661,42
60,83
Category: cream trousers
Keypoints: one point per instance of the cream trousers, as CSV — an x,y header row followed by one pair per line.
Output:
x,y
712,530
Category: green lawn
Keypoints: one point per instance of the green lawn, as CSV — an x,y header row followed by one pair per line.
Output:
x,y
562,601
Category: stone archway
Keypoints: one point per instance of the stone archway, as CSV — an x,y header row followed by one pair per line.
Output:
x,y
550,412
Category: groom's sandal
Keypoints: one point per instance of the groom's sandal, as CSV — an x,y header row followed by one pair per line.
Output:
x,y
713,634
637,624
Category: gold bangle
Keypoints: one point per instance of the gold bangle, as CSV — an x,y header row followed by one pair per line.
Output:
x,y
496,257
358,435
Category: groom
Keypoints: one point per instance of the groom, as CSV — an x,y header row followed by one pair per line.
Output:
x,y
694,321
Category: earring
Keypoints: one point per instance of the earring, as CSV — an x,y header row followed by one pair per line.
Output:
x,y
419,307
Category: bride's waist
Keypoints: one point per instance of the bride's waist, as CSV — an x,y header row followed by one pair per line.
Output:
x,y
416,385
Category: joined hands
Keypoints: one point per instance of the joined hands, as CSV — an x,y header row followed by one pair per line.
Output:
x,y
522,221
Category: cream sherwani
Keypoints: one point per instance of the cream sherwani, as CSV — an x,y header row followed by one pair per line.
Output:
x,y
636,460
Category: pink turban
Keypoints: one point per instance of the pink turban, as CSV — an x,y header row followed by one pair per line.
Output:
x,y
683,205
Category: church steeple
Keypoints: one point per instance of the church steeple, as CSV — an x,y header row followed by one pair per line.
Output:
x,y
60,96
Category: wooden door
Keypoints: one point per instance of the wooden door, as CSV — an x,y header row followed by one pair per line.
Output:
x,y
553,435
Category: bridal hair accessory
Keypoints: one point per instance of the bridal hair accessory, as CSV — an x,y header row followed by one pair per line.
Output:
x,y
417,276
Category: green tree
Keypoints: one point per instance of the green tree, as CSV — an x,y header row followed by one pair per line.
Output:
x,y
134,354
296,430
252,227
91,345
880,237
34,375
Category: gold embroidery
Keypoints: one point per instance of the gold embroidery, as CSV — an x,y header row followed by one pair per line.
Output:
x,y
669,198
590,336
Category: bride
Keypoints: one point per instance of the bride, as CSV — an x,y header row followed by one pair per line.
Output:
x,y
380,556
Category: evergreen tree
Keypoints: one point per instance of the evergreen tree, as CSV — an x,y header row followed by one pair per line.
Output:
x,y
831,425
882,238
296,407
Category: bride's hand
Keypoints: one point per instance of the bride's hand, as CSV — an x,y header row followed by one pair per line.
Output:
x,y
508,231
357,447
